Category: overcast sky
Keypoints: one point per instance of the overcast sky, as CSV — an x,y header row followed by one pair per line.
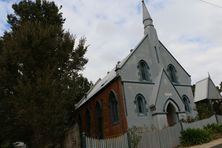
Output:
x,y
190,29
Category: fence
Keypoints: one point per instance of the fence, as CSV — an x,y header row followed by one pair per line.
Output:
x,y
219,119
118,142
165,138
200,123
170,136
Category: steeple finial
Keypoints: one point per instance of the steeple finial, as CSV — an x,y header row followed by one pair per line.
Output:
x,y
208,75
147,20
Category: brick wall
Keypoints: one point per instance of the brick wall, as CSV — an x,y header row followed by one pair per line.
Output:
x,y
109,129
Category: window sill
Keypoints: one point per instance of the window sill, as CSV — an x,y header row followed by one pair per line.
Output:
x,y
141,114
115,123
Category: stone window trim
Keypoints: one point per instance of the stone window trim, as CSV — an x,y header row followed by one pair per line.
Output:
x,y
144,71
172,73
141,104
186,102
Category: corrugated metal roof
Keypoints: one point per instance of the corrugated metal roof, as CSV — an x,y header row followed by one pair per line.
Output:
x,y
101,83
97,87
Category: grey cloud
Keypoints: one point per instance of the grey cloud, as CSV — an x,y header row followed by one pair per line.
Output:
x,y
113,27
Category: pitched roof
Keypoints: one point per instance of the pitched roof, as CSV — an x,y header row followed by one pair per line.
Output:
x,y
205,89
101,83
159,82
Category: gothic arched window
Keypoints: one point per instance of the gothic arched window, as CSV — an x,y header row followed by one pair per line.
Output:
x,y
113,105
144,71
88,122
172,73
186,102
99,120
80,123
141,104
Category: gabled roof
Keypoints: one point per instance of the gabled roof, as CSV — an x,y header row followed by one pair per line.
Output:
x,y
205,89
101,83
157,87
122,63
174,58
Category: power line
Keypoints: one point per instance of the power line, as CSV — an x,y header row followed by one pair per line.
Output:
x,y
212,4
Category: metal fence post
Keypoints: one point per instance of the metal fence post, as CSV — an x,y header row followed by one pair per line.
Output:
x,y
180,121
129,140
83,140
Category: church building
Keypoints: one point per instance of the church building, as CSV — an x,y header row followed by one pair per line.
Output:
x,y
148,89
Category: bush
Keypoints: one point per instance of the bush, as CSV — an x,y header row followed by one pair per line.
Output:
x,y
214,128
134,137
6,145
195,136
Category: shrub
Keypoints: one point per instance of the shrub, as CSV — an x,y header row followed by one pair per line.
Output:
x,y
134,137
6,145
195,136
215,128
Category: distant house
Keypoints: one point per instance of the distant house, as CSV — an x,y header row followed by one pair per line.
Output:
x,y
207,94
148,89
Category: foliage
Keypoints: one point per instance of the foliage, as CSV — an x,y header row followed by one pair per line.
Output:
x,y
204,109
190,119
134,137
215,129
195,136
40,78
217,106
6,145
219,88
198,136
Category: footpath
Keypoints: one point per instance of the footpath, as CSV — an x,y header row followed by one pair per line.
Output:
x,y
213,144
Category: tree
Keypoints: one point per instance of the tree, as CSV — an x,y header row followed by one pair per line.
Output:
x,y
204,109
219,88
40,78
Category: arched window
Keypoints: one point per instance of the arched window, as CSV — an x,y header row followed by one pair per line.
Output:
x,y
141,104
172,73
113,104
80,123
144,71
186,102
88,122
99,120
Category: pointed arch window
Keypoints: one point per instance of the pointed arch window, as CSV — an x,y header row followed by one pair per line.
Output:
x,y
144,71
140,105
186,102
80,123
113,105
88,122
172,73
99,120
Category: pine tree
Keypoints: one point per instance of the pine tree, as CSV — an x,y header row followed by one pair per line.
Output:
x,y
40,78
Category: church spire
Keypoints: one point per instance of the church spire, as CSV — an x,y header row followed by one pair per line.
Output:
x,y
147,20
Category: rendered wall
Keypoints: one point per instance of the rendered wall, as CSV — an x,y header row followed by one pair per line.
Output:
x,y
133,118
